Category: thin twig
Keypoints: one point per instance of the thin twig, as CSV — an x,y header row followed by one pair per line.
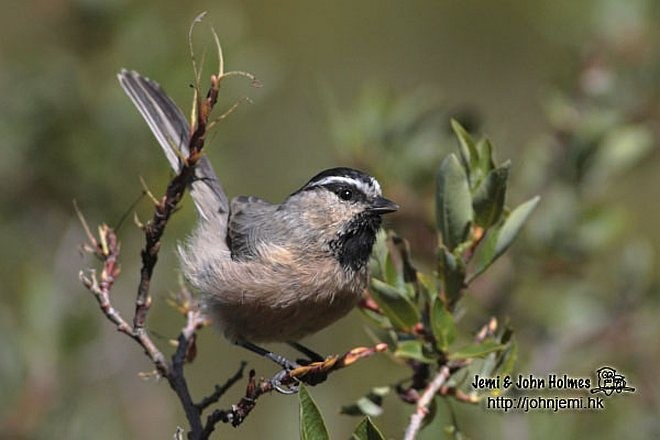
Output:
x,y
424,401
154,229
486,331
229,111
457,394
177,379
106,248
85,225
220,390
147,191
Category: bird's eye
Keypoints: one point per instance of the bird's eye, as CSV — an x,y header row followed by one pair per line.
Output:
x,y
346,194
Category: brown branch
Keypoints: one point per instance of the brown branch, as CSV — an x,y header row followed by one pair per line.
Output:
x,y
220,390
177,379
420,381
154,229
153,232
308,374
424,401
106,248
334,363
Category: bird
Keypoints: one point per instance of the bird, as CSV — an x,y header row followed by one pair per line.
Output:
x,y
269,272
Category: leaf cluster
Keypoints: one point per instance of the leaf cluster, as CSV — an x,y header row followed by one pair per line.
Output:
x,y
414,312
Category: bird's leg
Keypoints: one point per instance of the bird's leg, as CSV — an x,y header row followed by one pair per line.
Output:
x,y
278,359
283,362
311,354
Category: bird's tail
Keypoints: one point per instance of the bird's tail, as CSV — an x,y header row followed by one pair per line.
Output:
x,y
172,131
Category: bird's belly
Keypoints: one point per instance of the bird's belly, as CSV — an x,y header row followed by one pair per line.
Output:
x,y
265,321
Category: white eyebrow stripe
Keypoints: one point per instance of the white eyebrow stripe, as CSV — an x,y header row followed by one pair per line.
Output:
x,y
376,186
371,189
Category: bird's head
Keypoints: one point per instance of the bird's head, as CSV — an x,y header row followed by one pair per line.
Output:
x,y
342,208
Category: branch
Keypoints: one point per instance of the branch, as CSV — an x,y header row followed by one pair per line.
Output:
x,y
309,373
185,351
487,330
106,249
154,229
220,390
457,394
424,401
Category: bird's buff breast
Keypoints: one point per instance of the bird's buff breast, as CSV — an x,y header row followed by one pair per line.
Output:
x,y
282,303
264,323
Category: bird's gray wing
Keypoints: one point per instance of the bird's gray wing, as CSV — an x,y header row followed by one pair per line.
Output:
x,y
248,226
172,131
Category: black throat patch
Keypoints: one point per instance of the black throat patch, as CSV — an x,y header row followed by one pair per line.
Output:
x,y
352,247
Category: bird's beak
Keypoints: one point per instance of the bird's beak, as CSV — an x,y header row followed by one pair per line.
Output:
x,y
381,205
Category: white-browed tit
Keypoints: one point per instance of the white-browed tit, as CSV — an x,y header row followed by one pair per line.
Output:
x,y
270,272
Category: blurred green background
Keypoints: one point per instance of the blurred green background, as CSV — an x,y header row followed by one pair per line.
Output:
x,y
568,90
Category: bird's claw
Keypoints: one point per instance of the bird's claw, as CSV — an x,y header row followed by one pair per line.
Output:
x,y
289,387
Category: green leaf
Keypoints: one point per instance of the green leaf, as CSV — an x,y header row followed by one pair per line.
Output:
x,y
476,350
488,199
312,426
485,152
379,255
622,148
412,349
375,318
453,275
428,286
499,239
453,202
502,362
395,303
399,250
443,326
430,415
508,360
467,147
369,405
391,274
493,361
366,430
